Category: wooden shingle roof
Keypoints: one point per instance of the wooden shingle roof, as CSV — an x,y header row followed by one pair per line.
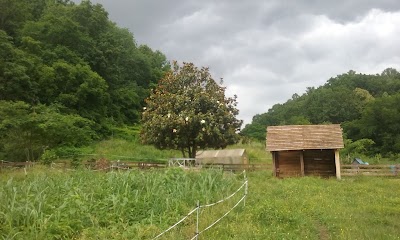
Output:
x,y
300,137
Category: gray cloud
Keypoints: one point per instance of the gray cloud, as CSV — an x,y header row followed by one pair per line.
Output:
x,y
268,50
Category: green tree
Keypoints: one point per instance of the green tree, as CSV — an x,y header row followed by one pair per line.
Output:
x,y
380,121
255,131
189,111
26,130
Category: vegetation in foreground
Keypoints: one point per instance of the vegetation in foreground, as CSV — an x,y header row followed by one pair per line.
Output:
x,y
140,204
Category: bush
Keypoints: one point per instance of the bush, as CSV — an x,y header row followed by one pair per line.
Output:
x,y
48,157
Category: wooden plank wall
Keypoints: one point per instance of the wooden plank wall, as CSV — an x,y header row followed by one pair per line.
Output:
x,y
288,163
319,163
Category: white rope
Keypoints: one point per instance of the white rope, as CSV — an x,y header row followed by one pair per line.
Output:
x,y
219,219
190,213
222,200
212,204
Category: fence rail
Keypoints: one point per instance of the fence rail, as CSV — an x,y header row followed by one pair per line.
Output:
x,y
240,167
346,170
370,170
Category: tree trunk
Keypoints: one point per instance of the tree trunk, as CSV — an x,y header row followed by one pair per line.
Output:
x,y
183,152
194,150
189,152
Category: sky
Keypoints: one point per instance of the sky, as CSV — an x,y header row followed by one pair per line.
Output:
x,y
267,50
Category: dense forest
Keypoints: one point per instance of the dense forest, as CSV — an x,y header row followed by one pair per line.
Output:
x,y
366,106
68,75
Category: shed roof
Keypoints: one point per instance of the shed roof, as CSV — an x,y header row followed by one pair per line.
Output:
x,y
300,137
220,153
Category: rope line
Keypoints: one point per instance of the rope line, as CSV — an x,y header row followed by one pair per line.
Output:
x,y
176,224
222,200
245,184
219,219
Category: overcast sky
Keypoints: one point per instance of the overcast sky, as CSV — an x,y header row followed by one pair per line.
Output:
x,y
267,50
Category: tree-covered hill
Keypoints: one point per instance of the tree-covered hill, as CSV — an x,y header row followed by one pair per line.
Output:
x,y
367,107
62,62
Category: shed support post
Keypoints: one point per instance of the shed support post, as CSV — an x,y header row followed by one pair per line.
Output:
x,y
302,163
337,164
275,164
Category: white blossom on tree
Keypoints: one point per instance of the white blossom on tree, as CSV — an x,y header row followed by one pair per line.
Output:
x,y
189,111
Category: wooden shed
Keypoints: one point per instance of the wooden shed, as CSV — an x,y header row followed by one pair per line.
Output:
x,y
225,156
304,150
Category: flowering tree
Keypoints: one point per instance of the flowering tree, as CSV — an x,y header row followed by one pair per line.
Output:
x,y
189,111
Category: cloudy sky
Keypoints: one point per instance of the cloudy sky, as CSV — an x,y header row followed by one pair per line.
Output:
x,y
267,50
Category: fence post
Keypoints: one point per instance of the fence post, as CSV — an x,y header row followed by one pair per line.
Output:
x,y
197,220
245,188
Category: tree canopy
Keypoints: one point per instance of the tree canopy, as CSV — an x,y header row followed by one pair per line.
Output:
x,y
188,111
365,105
72,59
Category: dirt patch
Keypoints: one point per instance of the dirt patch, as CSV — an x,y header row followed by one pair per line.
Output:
x,y
323,232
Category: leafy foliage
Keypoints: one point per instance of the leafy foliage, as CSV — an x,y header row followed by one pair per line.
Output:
x,y
26,131
188,110
58,53
365,105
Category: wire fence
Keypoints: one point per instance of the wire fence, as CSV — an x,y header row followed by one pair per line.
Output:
x,y
198,207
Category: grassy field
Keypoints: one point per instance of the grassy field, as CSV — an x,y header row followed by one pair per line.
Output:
x,y
47,204
52,204
123,149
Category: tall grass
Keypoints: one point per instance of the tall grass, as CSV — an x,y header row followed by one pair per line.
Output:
x,y
115,205
141,204
48,204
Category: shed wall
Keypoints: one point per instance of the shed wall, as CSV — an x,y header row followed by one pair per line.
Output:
x,y
319,162
288,163
316,163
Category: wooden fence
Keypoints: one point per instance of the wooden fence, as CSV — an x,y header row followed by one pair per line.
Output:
x,y
240,167
370,170
87,164
346,170
5,164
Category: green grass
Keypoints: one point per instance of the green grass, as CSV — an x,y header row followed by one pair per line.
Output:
x,y
140,204
50,204
91,205
131,150
256,152
122,149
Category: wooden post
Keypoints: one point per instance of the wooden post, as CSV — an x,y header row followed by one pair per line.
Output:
x,y
302,163
274,165
337,164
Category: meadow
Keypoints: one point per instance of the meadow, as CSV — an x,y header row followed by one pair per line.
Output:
x,y
49,203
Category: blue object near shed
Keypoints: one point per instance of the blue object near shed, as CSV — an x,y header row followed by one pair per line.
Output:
x,y
358,161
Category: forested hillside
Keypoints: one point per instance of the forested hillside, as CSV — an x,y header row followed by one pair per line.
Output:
x,y
366,106
67,75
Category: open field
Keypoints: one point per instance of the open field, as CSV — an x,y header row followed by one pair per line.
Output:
x,y
48,204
